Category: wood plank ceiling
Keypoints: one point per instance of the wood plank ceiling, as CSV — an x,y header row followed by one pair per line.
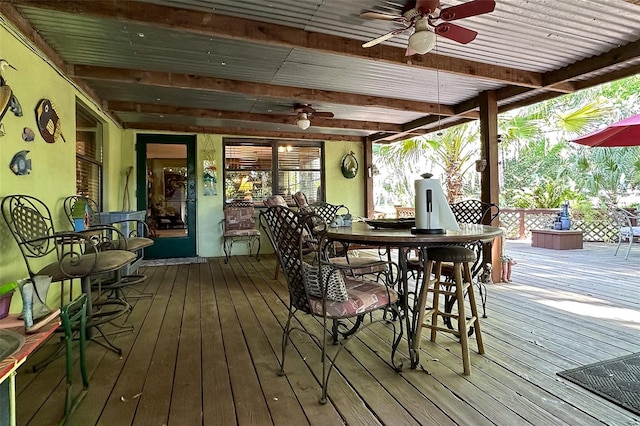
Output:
x,y
238,68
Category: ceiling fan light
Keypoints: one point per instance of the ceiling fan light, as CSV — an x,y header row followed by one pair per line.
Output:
x,y
303,121
422,41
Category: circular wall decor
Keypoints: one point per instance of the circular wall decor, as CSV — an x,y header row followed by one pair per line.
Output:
x,y
349,166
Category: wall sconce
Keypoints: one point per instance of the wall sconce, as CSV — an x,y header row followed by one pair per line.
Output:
x,y
481,165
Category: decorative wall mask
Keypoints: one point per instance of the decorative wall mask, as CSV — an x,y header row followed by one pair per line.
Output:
x,y
349,165
20,165
8,100
48,121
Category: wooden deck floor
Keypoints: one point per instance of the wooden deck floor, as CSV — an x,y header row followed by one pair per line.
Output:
x,y
205,349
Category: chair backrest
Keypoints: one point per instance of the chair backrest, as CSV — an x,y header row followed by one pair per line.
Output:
x,y
70,202
326,211
239,215
286,230
74,313
275,200
621,218
30,223
301,201
476,211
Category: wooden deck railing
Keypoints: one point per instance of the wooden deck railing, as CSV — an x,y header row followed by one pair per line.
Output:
x,y
519,222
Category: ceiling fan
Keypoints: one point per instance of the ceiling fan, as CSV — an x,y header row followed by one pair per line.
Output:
x,y
306,113
427,18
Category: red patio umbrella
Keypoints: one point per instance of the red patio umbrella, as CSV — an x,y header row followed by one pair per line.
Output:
x,y
623,133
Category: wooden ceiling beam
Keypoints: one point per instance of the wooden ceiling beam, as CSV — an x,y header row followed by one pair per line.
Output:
x,y
22,25
121,106
230,27
213,84
580,69
239,131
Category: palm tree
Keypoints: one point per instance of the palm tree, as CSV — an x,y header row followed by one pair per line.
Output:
x,y
451,151
456,153
397,163
536,156
609,172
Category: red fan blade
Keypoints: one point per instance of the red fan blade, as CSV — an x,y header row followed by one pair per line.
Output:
x,y
427,7
323,114
465,10
376,15
456,33
384,37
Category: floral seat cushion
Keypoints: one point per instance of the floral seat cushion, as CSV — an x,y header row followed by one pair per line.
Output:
x,y
362,296
242,233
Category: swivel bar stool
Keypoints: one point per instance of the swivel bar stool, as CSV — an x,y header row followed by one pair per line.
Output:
x,y
462,284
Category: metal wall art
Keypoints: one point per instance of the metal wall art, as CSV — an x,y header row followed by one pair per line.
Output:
x,y
48,121
349,165
28,135
8,100
20,165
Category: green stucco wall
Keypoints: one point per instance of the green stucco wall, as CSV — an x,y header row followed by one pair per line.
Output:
x,y
53,175
53,165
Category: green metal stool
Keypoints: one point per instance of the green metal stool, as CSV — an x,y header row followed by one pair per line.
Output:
x,y
74,316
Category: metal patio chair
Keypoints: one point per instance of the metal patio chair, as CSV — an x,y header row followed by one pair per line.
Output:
x,y
626,229
239,224
67,256
320,288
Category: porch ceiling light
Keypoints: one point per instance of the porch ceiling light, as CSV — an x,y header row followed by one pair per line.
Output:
x,y
303,121
423,39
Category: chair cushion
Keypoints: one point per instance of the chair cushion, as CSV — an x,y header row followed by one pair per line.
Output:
x,y
634,230
455,254
361,266
363,296
108,261
242,233
135,243
336,288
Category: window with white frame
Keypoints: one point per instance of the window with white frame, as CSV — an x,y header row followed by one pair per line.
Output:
x,y
257,169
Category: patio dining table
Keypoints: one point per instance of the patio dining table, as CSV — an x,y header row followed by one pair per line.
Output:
x,y
404,241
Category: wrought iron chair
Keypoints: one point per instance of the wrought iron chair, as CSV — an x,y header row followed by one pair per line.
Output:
x,y
300,198
275,200
339,251
138,230
476,212
403,212
135,240
239,224
467,211
74,316
322,289
627,230
70,255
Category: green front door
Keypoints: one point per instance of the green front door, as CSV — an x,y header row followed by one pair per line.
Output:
x,y
166,184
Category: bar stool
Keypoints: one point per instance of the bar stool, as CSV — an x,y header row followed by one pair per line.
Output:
x,y
461,258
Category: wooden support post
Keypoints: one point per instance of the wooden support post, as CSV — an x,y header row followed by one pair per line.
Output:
x,y
489,179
